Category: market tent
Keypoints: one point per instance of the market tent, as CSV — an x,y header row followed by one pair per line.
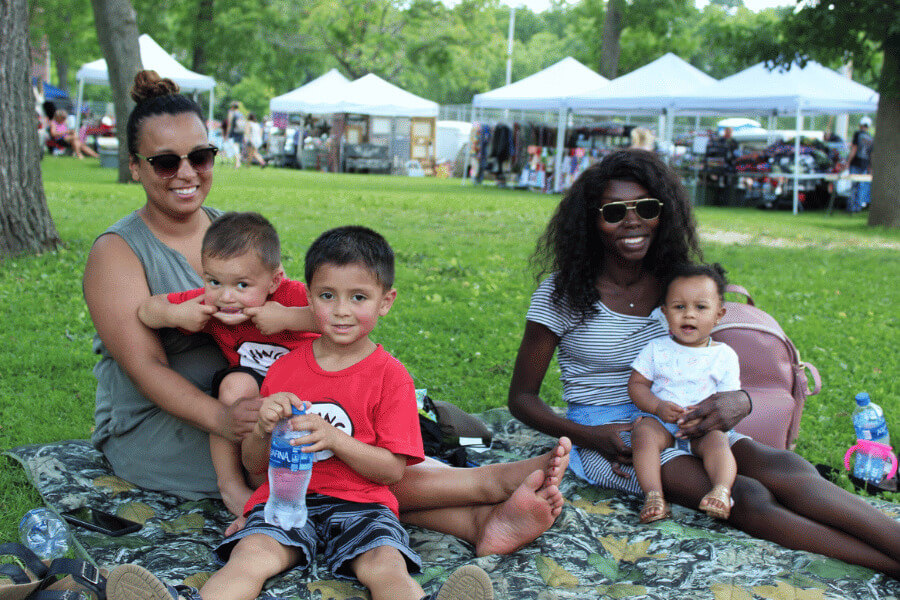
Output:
x,y
368,95
152,57
544,90
811,89
649,89
311,98
372,95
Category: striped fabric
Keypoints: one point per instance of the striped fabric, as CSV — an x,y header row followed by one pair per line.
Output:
x,y
595,363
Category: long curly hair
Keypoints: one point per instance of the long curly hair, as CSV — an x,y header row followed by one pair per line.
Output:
x,y
571,245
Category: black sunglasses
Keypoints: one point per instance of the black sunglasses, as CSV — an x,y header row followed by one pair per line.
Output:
x,y
646,208
166,165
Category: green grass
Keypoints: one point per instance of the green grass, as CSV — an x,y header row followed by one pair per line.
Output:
x,y
464,287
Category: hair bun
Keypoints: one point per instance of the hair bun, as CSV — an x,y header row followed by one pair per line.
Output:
x,y
148,85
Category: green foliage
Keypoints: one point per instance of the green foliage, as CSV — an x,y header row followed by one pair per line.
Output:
x,y
464,287
849,31
256,50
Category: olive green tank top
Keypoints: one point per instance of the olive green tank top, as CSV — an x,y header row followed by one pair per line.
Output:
x,y
144,444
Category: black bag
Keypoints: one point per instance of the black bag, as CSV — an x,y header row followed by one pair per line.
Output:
x,y
443,424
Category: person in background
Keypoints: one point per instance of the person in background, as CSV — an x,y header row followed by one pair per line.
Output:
x,y
233,130
642,138
253,140
61,135
859,162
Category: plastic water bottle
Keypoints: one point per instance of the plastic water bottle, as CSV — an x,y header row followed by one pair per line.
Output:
x,y
289,474
44,533
868,421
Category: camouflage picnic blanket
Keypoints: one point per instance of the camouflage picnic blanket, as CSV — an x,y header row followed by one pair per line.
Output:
x,y
596,548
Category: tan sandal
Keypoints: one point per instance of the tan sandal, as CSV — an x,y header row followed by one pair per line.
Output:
x,y
717,503
655,508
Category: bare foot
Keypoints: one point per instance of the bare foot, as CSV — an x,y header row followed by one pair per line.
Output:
x,y
235,496
236,526
528,513
558,462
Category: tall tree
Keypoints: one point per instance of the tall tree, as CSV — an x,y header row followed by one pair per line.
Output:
x,y
613,24
117,32
25,222
67,27
829,31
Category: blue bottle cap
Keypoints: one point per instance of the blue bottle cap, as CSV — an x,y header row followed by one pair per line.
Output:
x,y
862,398
296,411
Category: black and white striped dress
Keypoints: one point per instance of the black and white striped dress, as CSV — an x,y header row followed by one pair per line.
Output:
x,y
595,359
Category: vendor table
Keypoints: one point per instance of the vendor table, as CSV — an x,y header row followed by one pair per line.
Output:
x,y
835,177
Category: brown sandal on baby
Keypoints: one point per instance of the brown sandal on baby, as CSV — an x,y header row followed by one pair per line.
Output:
x,y
717,503
655,508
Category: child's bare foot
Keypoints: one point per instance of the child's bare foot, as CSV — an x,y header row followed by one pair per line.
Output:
x,y
528,513
235,496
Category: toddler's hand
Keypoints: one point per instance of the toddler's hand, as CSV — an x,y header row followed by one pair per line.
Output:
x,y
192,315
669,411
268,318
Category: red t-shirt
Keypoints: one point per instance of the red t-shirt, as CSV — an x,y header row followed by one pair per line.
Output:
x,y
244,344
373,401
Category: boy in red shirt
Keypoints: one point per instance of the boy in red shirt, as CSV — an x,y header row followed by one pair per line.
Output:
x,y
362,423
253,312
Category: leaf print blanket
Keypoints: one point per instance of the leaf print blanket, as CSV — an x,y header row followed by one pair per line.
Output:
x,y
596,548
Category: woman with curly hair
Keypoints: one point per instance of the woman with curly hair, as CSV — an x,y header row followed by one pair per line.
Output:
x,y
617,236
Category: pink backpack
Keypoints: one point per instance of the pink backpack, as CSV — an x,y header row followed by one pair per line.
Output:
x,y
771,372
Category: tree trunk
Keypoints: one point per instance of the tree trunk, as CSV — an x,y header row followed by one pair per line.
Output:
x,y
26,226
117,32
609,43
885,208
202,28
62,73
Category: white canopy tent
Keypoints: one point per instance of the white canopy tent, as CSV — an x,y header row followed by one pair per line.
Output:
x,y
312,97
368,95
152,57
545,90
372,95
812,89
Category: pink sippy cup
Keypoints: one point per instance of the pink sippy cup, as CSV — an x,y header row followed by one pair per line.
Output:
x,y
870,460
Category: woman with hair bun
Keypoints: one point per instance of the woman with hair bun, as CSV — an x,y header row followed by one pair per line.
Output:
x,y
153,411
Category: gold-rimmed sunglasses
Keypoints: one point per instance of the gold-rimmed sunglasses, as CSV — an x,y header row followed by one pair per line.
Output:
x,y
646,208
